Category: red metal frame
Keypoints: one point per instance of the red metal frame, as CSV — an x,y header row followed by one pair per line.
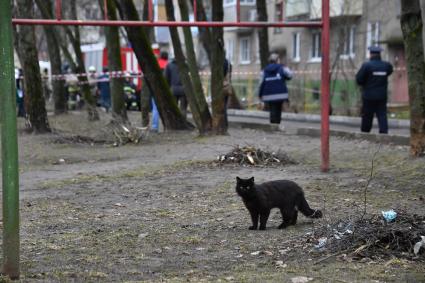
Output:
x,y
324,24
105,8
59,10
317,24
325,89
195,10
150,11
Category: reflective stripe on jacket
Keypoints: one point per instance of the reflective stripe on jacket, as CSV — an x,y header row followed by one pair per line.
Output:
x,y
373,78
273,86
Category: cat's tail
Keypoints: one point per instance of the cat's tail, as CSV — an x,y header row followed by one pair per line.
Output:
x,y
306,210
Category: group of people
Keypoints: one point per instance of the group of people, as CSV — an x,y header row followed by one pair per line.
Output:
x,y
372,78
100,88
273,91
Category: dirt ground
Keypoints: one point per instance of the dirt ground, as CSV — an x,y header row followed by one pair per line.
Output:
x,y
162,210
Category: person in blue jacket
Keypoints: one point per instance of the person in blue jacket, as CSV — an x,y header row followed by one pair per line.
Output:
x,y
373,78
104,89
273,89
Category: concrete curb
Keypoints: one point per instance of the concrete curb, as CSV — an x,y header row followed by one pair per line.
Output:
x,y
252,125
378,138
314,132
313,118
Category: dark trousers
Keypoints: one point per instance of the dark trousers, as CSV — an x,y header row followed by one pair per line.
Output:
x,y
226,102
275,108
369,109
182,103
21,107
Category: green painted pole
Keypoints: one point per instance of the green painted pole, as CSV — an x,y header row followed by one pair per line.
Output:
x,y
9,145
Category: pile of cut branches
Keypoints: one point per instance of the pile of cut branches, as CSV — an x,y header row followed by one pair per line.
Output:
x,y
251,156
374,237
125,133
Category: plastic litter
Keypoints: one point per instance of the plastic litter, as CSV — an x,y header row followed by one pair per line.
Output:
x,y
322,243
418,245
389,215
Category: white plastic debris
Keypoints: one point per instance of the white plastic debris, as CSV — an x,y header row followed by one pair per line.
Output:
x,y
419,245
322,243
251,160
143,235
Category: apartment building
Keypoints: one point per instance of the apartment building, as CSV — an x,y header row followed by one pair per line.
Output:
x,y
355,25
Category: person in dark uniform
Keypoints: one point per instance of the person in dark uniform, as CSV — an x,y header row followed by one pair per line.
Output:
x,y
172,75
373,78
273,89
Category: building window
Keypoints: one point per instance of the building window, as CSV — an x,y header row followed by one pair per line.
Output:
x,y
244,51
278,16
349,34
230,50
316,46
257,47
372,35
296,36
227,3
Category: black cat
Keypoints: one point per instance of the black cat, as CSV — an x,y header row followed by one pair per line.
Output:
x,y
283,194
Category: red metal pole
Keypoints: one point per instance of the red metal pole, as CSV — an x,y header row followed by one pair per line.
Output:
x,y
105,8
150,11
195,10
325,85
58,10
238,11
42,22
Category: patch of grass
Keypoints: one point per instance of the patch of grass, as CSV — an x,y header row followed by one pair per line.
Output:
x,y
226,187
72,181
192,240
164,213
136,173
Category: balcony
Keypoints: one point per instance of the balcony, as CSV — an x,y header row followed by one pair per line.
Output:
x,y
338,8
313,8
247,14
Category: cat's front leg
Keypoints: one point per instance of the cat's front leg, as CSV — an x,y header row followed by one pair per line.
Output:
x,y
254,218
264,216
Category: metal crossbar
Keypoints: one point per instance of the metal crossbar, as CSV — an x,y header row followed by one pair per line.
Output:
x,y
57,22
150,22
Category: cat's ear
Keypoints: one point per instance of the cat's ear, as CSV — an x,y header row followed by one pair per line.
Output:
x,y
252,179
238,179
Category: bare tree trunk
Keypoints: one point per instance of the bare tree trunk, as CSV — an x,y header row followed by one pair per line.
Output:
x,y
145,95
75,40
217,72
58,85
47,13
167,106
25,41
411,25
194,72
119,109
263,36
183,68
204,33
46,8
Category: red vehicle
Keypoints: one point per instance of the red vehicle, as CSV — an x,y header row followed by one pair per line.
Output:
x,y
96,55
